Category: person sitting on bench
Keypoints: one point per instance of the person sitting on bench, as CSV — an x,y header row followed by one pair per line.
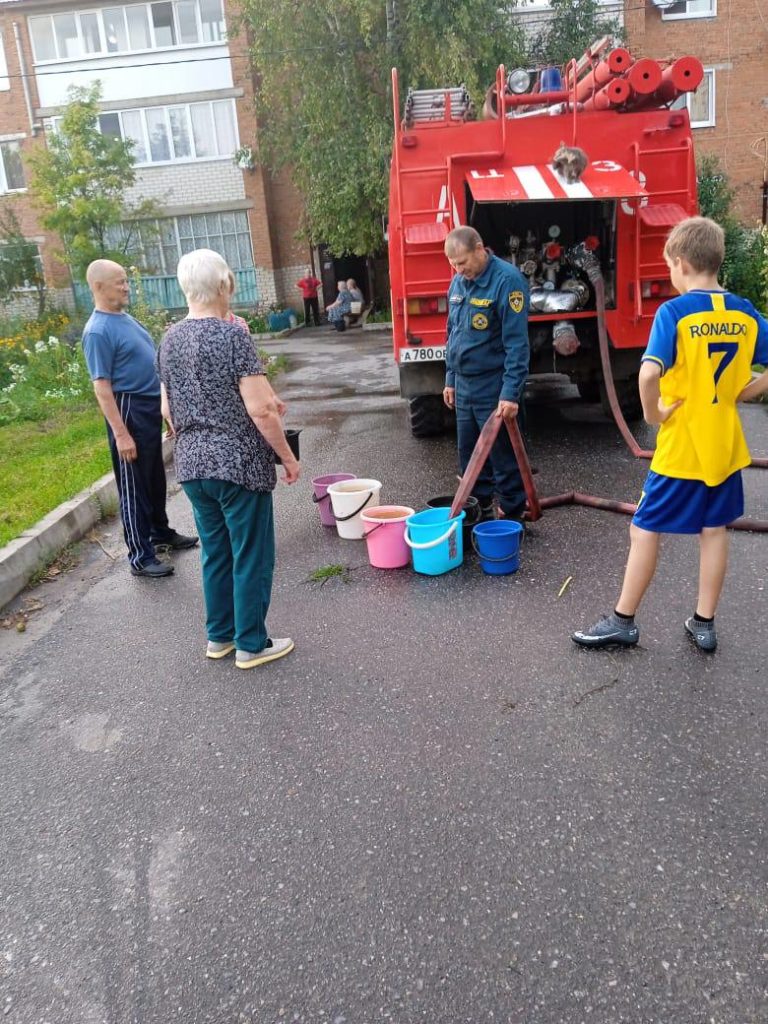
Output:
x,y
339,309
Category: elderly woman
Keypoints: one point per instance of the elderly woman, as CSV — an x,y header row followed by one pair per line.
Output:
x,y
226,421
354,292
339,309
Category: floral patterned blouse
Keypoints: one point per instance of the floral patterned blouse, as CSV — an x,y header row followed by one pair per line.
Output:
x,y
200,362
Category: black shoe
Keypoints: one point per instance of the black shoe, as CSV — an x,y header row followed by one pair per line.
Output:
x,y
155,569
175,541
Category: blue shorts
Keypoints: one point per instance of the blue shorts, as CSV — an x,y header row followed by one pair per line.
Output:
x,y
671,505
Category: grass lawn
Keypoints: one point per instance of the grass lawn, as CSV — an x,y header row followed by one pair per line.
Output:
x,y
45,463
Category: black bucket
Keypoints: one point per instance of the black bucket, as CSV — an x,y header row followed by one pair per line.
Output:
x,y
292,437
471,507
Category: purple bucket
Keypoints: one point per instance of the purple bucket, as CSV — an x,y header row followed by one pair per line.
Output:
x,y
321,497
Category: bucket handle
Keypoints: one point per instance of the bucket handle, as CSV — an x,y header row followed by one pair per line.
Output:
x,y
345,519
430,543
323,497
487,558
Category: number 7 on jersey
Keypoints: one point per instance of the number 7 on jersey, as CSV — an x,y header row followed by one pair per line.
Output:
x,y
728,350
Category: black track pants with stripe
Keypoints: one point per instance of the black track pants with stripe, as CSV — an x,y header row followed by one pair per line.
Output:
x,y
141,484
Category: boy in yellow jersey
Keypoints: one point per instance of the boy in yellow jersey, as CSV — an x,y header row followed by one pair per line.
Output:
x,y
697,366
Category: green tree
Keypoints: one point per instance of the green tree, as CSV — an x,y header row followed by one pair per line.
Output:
x,y
745,267
323,98
80,183
20,265
574,25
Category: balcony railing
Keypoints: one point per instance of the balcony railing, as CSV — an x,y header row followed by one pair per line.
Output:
x,y
164,292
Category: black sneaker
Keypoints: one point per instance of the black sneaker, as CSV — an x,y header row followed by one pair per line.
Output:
x,y
175,541
609,631
154,570
703,634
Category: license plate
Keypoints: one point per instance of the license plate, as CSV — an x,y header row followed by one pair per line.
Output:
x,y
430,353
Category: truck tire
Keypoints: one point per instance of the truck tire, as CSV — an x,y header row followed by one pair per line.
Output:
x,y
589,390
427,415
628,394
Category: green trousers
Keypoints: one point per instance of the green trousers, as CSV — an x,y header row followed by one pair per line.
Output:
x,y
237,537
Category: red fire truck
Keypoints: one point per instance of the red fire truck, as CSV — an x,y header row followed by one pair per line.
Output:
x,y
495,171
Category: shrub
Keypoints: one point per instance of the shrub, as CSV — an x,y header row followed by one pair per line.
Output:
x,y
745,268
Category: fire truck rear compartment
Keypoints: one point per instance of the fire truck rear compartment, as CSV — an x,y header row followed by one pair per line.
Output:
x,y
523,233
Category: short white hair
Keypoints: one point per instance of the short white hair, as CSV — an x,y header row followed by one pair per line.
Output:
x,y
201,275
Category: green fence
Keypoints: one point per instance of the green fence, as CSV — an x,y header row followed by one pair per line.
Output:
x,y
164,292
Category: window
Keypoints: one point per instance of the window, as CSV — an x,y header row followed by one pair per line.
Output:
x,y
186,12
189,131
212,18
157,245
11,249
690,9
138,28
115,32
11,167
91,32
109,124
159,139
700,104
164,24
132,127
65,29
5,82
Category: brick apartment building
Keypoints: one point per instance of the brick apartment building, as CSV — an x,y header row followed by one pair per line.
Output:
x,y
729,111
176,83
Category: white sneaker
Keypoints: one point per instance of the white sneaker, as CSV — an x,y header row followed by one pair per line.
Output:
x,y
278,648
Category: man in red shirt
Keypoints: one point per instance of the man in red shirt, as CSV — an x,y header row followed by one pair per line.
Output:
x,y
309,286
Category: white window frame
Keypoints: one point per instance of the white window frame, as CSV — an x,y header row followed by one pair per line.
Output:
x,y
688,97
5,81
687,17
158,243
4,190
193,159
154,48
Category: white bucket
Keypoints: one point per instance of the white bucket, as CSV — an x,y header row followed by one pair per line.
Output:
x,y
348,499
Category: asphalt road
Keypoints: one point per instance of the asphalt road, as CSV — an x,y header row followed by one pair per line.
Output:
x,y
437,809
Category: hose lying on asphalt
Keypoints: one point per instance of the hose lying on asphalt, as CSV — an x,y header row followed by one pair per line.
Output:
x,y
536,505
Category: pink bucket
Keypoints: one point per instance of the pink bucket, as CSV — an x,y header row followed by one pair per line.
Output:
x,y
321,497
384,528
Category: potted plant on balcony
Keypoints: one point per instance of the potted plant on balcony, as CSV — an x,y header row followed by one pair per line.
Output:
x,y
245,158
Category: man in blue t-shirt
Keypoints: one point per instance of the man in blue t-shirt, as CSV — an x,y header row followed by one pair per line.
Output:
x,y
121,360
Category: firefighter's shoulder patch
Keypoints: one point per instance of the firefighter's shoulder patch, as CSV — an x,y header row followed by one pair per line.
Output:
x,y
516,301
480,321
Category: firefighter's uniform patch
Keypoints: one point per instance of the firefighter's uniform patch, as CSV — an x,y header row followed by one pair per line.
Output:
x,y
480,321
483,303
516,302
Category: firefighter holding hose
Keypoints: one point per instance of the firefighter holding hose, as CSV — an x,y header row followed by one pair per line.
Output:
x,y
486,358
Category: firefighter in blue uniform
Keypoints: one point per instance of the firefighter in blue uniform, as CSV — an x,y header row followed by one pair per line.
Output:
x,y
487,357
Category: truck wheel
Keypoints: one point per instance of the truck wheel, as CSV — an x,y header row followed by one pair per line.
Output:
x,y
426,414
628,394
589,390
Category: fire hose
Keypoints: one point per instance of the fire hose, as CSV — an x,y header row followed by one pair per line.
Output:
x,y
535,504
596,279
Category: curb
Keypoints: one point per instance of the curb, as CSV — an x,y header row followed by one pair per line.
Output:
x,y
22,557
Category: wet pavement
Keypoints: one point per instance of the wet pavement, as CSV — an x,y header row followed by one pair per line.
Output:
x,y
437,809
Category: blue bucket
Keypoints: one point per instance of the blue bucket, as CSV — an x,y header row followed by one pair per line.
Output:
x,y
435,540
497,544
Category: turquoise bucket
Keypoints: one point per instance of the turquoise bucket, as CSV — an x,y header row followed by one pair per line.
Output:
x,y
497,544
435,540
